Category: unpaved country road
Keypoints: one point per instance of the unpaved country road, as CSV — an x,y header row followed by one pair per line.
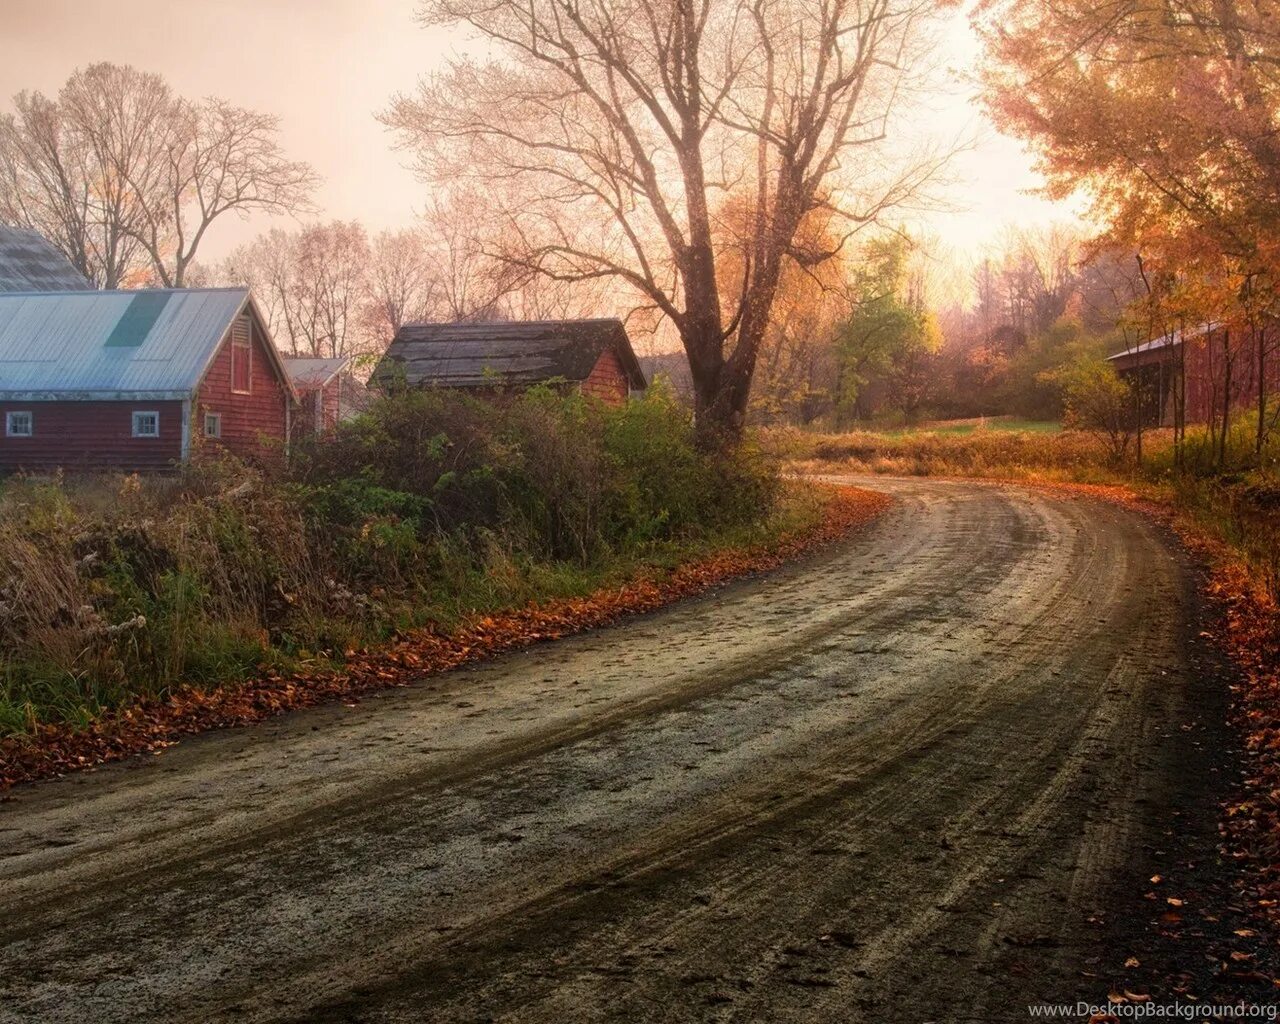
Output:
x,y
892,783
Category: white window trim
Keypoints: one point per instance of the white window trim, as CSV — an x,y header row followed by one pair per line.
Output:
x,y
248,351
146,412
9,419
216,417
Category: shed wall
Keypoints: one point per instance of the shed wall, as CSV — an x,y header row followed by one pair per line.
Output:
x,y
607,380
90,436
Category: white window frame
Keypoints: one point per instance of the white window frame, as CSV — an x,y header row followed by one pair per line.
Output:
x,y
12,417
216,419
247,345
137,414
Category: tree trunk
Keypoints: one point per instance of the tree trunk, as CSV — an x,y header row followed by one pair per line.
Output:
x,y
1260,339
1226,400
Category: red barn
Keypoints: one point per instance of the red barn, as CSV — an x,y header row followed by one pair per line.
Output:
x,y
593,356
137,379
1216,361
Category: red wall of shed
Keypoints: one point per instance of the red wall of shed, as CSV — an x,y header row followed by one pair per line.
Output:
x,y
305,421
91,435
1207,373
607,380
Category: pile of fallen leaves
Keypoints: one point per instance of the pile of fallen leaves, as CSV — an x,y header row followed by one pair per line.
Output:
x,y
1250,636
51,750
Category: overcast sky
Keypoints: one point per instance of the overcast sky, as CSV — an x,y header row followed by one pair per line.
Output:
x,y
326,66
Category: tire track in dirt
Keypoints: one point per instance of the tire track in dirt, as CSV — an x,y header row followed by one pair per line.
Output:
x,y
914,763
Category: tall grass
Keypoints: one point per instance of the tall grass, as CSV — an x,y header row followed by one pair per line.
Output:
x,y
431,506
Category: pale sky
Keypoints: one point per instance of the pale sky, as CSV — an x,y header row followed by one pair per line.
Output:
x,y
326,66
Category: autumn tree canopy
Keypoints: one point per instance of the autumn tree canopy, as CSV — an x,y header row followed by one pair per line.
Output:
x,y
613,134
1167,113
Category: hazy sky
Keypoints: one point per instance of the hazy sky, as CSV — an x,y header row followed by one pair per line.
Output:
x,y
325,66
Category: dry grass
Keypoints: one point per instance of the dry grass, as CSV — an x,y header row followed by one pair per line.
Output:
x,y
1065,455
433,506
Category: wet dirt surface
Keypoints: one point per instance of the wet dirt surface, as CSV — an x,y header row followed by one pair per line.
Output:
x,y
919,777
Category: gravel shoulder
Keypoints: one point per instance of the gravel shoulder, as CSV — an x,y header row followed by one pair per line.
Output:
x,y
921,776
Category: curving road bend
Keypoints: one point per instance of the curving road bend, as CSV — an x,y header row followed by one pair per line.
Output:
x,y
904,780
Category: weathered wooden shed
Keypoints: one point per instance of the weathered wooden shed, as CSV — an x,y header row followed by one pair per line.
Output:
x,y
136,379
1218,363
594,356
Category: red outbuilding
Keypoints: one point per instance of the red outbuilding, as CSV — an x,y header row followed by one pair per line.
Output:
x,y
138,379
319,384
1218,363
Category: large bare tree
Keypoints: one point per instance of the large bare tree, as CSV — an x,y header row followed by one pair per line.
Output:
x,y
126,178
614,133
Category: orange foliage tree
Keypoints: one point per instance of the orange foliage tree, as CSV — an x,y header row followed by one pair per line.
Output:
x,y
1166,113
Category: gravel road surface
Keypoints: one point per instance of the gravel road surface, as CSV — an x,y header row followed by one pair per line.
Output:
x,y
913,778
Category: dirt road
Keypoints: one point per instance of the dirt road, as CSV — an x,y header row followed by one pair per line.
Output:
x,y
920,777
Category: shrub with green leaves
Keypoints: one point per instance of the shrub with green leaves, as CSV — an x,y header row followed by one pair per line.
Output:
x,y
433,504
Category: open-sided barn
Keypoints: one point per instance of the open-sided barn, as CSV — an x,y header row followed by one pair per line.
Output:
x,y
319,385
137,379
1218,364
594,356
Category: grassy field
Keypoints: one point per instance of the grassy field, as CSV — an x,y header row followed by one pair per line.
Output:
x,y
977,425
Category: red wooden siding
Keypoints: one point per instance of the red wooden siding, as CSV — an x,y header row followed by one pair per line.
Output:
x,y
607,380
1206,373
91,435
253,423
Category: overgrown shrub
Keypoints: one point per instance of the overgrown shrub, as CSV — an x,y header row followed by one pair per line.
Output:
x,y
431,505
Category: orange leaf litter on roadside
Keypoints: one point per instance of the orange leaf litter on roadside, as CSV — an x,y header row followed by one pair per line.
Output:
x,y
51,750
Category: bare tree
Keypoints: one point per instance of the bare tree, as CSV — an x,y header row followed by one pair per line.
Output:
x,y
402,285
217,158
613,132
313,286
126,178
64,166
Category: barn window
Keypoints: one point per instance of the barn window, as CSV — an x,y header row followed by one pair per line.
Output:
x,y
146,424
241,356
19,424
213,424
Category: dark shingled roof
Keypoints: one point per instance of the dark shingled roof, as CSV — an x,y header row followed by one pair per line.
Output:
x,y
517,352
30,263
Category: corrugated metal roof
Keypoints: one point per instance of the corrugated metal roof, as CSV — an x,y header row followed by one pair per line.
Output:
x,y
30,263
1166,341
516,352
307,372
60,344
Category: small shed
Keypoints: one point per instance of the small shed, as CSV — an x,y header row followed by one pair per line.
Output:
x,y
136,379
319,384
593,356
30,263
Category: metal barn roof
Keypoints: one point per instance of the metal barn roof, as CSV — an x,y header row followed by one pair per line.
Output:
x,y
515,352
1166,341
307,372
117,344
29,262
